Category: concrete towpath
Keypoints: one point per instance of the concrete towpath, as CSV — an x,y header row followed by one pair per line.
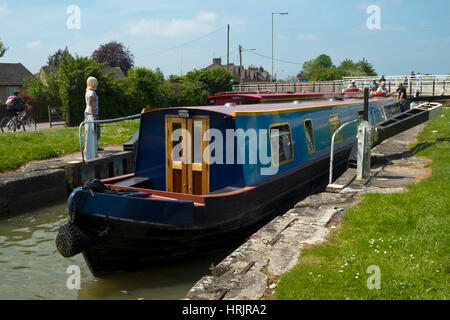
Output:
x,y
253,270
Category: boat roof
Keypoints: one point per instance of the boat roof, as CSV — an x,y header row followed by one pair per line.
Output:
x,y
258,95
273,108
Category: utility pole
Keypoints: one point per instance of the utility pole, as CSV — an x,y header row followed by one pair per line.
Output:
x,y
271,75
228,46
240,62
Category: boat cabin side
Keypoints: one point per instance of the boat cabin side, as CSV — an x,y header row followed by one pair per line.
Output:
x,y
201,151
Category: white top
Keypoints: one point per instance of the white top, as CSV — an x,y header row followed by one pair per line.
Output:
x,y
91,93
380,89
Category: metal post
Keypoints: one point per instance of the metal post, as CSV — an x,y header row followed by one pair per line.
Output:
x,y
389,86
314,87
434,84
366,104
330,179
91,140
334,86
228,47
49,116
271,75
240,63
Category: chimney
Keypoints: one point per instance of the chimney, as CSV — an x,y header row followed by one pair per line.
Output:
x,y
217,61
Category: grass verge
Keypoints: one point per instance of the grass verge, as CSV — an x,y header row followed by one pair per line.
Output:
x,y
405,235
20,147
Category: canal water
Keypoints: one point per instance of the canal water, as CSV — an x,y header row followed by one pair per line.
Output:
x,y
32,268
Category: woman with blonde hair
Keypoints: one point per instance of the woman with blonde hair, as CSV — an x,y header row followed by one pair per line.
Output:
x,y
92,103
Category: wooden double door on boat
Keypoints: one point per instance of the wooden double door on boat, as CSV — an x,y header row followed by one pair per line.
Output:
x,y
186,170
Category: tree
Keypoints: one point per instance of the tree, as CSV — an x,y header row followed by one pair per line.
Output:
x,y
366,67
323,61
116,55
180,93
48,91
3,49
214,80
54,60
322,69
144,86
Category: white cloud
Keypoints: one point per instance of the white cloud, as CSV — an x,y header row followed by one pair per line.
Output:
x,y
4,11
203,22
33,44
307,37
283,37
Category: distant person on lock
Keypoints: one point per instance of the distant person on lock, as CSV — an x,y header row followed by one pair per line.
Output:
x,y
382,88
352,85
401,96
373,86
405,82
419,79
401,92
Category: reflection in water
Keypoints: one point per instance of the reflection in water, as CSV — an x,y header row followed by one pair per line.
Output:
x,y
32,268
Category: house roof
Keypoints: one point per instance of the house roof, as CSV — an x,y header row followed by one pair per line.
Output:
x,y
48,69
116,70
12,74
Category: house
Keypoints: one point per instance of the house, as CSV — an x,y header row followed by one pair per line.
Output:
x,y
45,72
11,78
252,74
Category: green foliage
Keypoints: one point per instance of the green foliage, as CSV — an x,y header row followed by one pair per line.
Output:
x,y
3,49
322,69
144,86
214,80
178,93
73,73
48,91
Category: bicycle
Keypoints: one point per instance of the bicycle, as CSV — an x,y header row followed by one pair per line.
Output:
x,y
11,123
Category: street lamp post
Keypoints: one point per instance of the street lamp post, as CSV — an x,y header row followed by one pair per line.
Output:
x,y
280,13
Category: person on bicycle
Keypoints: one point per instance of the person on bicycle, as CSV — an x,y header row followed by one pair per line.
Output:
x,y
15,104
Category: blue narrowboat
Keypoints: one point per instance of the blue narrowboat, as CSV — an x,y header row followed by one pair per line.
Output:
x,y
207,176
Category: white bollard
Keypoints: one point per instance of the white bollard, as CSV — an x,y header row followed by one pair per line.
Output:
x,y
364,148
91,140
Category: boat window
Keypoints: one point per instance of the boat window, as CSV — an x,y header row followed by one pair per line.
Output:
x,y
250,102
197,141
335,123
281,144
176,156
309,136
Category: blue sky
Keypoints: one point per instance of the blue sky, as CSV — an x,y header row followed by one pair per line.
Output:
x,y
414,35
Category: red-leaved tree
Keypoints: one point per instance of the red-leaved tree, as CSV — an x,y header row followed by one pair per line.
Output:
x,y
116,55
